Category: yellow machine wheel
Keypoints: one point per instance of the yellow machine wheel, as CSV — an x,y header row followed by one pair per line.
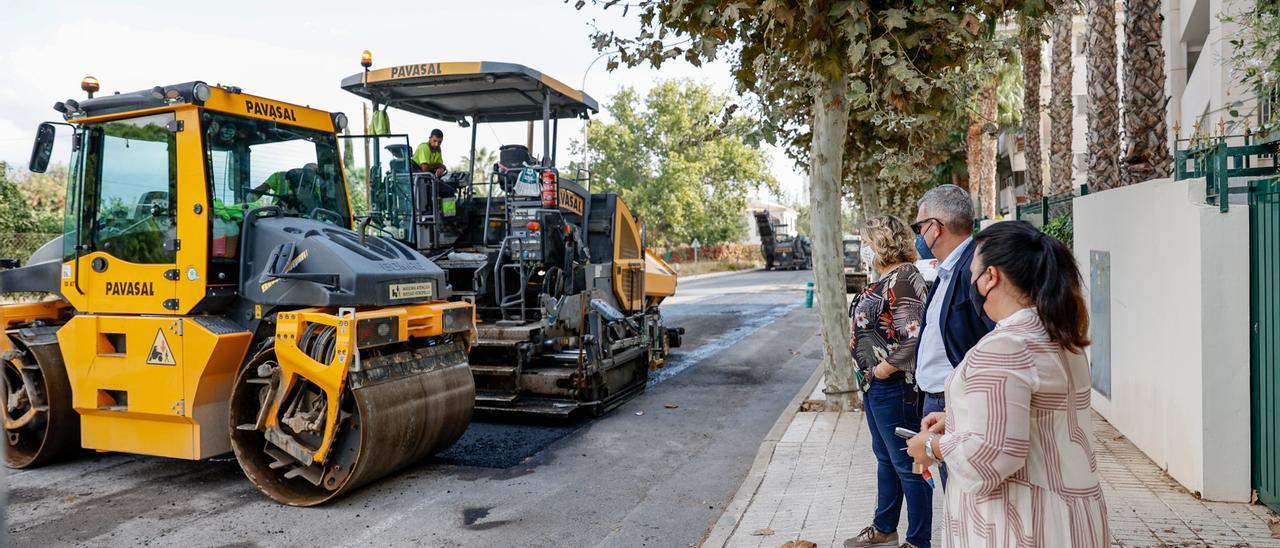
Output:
x,y
408,414
39,423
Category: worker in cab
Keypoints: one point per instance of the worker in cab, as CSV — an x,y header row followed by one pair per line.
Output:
x,y
428,155
283,187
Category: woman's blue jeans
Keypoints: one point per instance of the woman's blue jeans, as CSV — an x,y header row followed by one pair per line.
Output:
x,y
886,408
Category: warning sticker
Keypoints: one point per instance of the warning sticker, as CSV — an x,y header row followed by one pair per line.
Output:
x,y
160,353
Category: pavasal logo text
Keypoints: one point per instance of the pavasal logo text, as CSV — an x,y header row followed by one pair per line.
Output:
x,y
270,111
424,69
131,289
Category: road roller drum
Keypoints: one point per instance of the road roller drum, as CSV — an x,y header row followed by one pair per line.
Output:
x,y
39,424
404,404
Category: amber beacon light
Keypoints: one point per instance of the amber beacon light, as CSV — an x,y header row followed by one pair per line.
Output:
x,y
366,59
90,85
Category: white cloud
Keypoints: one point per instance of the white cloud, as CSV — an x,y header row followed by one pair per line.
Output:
x,y
15,143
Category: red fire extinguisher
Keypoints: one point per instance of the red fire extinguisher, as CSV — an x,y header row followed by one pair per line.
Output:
x,y
549,188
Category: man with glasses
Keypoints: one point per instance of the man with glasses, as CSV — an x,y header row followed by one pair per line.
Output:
x,y
944,225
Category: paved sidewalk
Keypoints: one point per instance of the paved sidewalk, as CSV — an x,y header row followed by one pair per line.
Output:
x,y
818,484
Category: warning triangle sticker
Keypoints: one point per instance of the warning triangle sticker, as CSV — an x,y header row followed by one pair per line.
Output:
x,y
160,353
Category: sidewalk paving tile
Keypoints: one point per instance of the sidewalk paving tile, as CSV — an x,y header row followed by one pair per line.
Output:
x,y
820,485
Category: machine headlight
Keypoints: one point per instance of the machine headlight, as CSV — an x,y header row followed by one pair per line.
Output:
x,y
340,121
377,331
200,92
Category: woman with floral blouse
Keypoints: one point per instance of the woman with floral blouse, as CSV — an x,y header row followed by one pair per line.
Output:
x,y
886,325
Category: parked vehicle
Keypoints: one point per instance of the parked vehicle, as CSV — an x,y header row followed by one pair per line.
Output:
x,y
855,272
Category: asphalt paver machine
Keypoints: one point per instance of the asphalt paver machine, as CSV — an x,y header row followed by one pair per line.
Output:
x,y
567,297
209,295
781,251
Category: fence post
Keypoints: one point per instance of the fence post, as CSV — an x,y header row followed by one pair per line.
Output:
x,y
1221,177
1044,211
1084,190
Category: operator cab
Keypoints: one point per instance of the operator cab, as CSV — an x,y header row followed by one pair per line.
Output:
x,y
157,173
459,208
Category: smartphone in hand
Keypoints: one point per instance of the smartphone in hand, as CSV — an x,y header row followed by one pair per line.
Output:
x,y
905,433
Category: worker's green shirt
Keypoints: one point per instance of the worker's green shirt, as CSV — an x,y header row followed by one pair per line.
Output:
x,y
275,182
424,155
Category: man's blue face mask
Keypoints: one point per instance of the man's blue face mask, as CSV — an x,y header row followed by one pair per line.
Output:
x,y
921,248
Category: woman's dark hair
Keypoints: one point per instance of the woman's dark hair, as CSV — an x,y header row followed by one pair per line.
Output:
x,y
1046,271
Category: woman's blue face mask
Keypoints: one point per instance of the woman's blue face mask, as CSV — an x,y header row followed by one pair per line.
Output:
x,y
922,249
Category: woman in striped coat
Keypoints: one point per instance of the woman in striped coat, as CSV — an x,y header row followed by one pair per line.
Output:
x,y
1015,436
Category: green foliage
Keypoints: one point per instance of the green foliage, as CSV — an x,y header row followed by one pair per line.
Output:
x,y
1256,54
16,215
149,132
908,68
1060,227
44,195
1009,89
348,150
683,173
357,186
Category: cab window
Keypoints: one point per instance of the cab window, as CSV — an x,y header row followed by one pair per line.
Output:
x,y
130,174
255,163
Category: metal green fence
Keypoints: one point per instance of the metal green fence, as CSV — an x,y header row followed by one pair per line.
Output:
x,y
1223,158
1041,212
1264,304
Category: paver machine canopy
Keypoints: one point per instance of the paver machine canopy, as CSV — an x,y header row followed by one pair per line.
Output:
x,y
210,296
566,294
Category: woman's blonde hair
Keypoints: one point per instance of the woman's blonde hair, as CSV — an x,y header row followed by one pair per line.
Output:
x,y
891,239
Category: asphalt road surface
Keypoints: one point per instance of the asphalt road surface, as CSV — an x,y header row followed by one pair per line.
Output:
x,y
657,471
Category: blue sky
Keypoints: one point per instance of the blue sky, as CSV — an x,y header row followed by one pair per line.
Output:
x,y
298,52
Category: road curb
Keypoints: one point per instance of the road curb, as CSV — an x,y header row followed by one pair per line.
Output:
x,y
697,277
728,522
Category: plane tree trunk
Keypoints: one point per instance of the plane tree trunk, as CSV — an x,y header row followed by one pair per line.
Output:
x,y
830,124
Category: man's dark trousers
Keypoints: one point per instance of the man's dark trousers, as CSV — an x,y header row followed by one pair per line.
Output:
x,y
932,404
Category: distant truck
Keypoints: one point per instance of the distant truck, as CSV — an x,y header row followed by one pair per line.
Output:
x,y
855,272
782,251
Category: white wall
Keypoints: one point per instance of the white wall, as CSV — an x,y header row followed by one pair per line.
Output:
x,y
1179,328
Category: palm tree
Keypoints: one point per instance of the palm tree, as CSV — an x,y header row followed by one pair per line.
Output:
x,y
1029,39
981,158
999,107
485,159
988,115
1146,133
1060,127
1104,97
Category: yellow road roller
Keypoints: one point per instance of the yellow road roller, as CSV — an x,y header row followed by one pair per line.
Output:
x,y
209,295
